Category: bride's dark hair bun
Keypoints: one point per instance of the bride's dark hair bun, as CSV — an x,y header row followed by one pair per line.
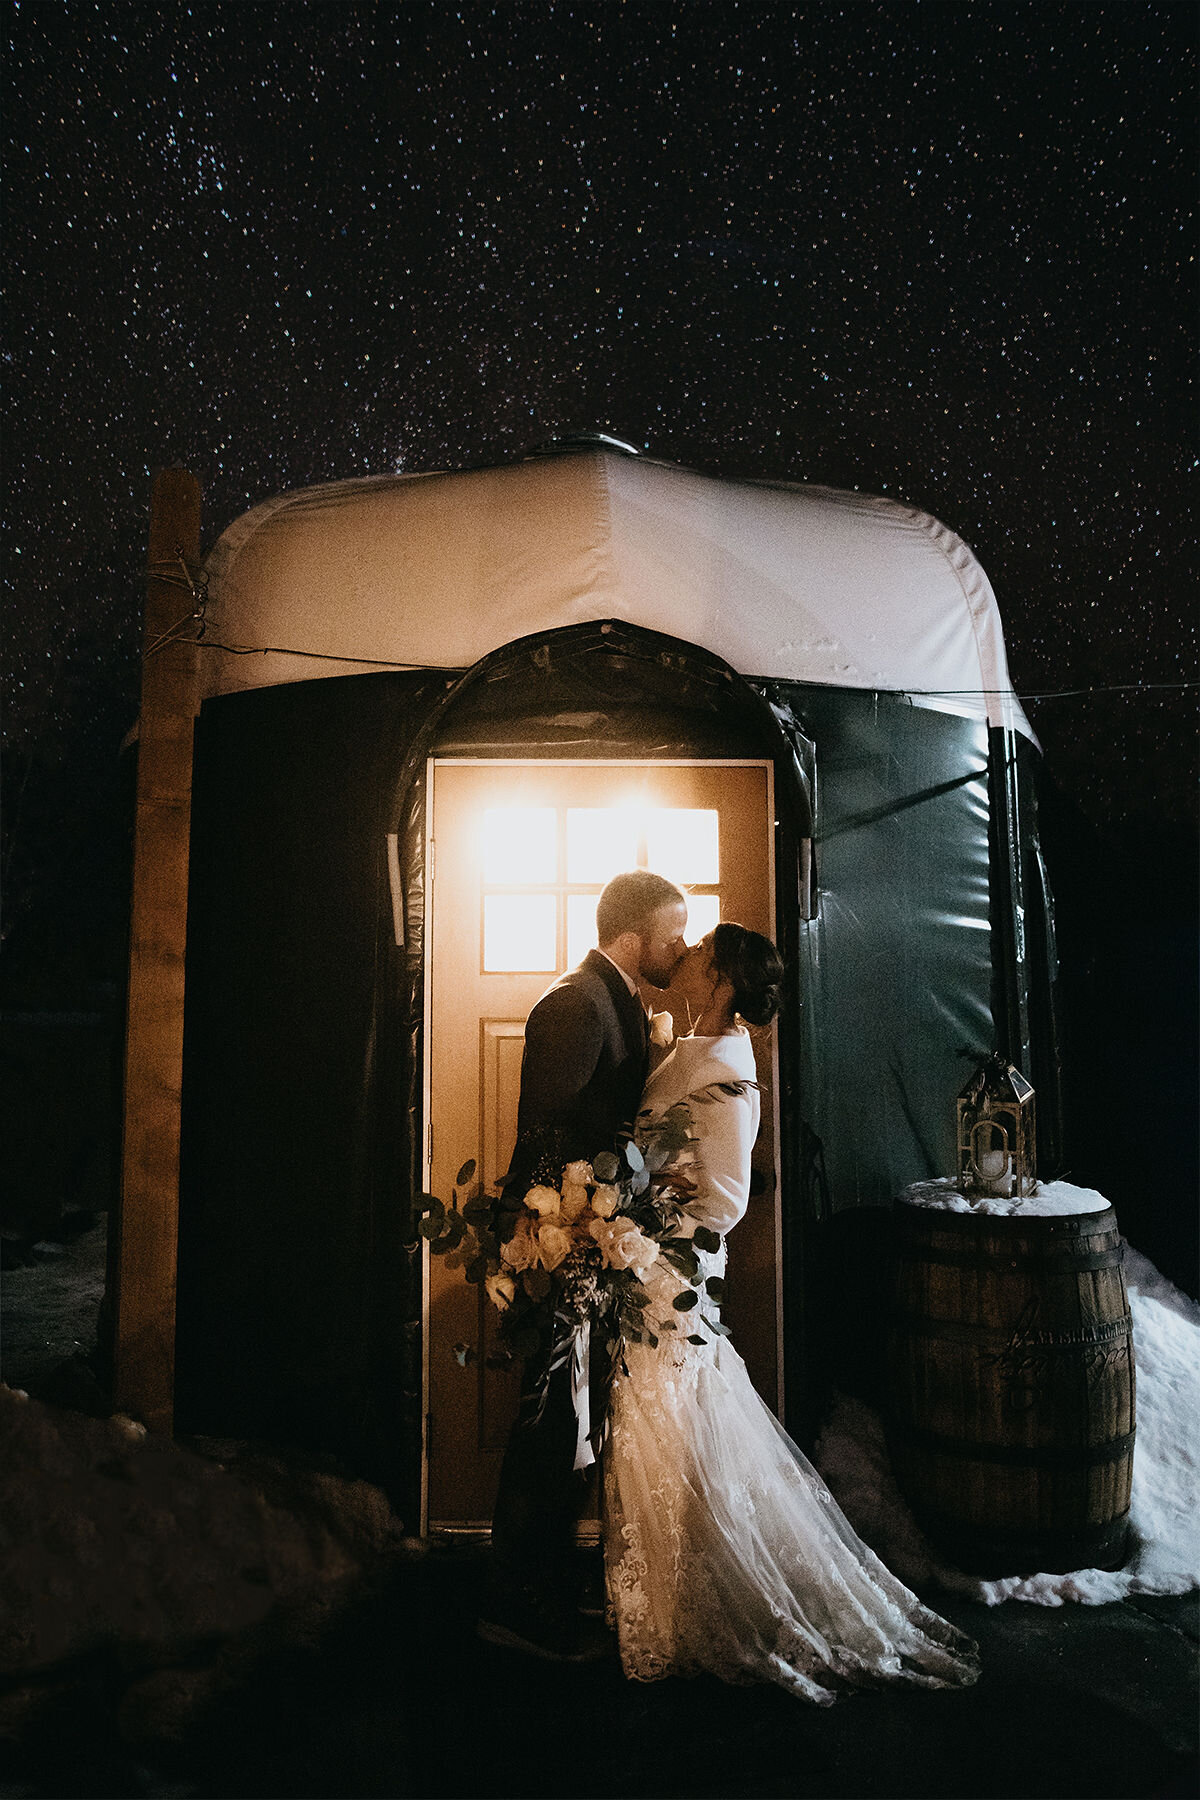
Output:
x,y
754,966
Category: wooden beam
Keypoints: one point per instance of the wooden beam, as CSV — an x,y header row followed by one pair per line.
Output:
x,y
144,1306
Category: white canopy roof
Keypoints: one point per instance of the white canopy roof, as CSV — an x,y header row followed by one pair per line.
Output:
x,y
787,582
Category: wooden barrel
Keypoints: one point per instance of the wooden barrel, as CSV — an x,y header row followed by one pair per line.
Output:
x,y
1011,1387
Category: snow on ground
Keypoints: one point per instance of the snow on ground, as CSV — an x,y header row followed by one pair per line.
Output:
x,y
111,1532
1165,1511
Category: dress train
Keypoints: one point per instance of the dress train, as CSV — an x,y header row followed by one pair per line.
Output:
x,y
724,1550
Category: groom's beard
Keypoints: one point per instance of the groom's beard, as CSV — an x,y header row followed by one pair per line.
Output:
x,y
659,974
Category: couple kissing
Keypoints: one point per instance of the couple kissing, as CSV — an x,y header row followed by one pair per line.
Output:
x,y
723,1550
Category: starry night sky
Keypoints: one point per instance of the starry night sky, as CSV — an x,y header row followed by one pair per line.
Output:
x,y
941,251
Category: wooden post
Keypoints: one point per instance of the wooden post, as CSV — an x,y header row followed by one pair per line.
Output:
x,y
144,1348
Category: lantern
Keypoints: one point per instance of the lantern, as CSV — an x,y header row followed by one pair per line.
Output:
x,y
997,1153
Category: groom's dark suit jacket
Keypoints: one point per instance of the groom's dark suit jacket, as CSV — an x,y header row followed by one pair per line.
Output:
x,y
583,1070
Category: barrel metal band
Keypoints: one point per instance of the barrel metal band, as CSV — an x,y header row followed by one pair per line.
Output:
x,y
1036,1456
1082,1542
1005,1259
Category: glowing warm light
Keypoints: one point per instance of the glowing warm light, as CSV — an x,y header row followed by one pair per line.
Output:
x,y
601,841
581,926
519,935
682,844
520,844
704,911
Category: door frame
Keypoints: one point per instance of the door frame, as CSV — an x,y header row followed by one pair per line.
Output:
x,y
573,762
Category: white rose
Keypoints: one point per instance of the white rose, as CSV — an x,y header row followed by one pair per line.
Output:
x,y
662,1030
623,1246
501,1290
553,1245
642,1253
544,1201
520,1252
605,1200
579,1174
574,1200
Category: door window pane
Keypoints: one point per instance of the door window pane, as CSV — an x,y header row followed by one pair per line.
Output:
x,y
519,933
682,844
704,911
520,845
581,926
601,841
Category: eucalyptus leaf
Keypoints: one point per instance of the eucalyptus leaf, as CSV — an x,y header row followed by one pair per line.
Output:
x,y
633,1157
697,1340
715,1285
684,1302
536,1283
431,1227
605,1167
704,1239
465,1173
673,1131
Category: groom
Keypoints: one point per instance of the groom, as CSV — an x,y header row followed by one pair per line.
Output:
x,y
582,1075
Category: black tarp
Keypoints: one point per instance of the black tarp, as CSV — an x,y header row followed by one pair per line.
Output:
x,y
298,1294
299,1299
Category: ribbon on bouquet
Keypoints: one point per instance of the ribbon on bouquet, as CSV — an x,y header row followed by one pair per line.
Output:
x,y
581,1381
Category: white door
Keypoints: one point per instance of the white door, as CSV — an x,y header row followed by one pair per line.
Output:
x,y
518,853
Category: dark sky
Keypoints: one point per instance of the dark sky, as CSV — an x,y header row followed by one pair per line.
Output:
x,y
942,251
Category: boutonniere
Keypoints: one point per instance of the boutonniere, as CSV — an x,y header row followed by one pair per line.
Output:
x,y
662,1030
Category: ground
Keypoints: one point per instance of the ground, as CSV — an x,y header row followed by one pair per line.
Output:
x,y
389,1693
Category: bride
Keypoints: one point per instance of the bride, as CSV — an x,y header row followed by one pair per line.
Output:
x,y
724,1552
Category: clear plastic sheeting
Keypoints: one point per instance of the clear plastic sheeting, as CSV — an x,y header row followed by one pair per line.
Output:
x,y
897,967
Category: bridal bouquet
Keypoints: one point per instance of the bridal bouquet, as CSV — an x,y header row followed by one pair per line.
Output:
x,y
566,1263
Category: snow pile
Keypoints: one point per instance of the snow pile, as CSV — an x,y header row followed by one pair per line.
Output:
x,y
111,1534
1166,1461
1049,1200
1165,1510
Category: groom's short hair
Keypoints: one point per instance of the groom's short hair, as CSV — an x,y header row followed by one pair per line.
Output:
x,y
628,900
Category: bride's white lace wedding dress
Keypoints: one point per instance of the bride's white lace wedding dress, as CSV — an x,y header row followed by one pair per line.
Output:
x,y
724,1551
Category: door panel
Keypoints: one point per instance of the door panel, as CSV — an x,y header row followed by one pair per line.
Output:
x,y
518,854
